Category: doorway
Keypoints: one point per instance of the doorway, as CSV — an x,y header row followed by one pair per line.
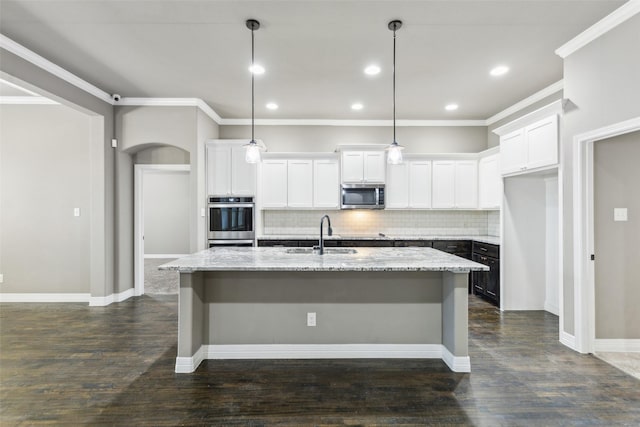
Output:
x,y
161,225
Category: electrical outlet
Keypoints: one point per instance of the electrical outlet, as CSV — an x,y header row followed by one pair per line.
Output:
x,y
76,211
311,319
620,214
1,278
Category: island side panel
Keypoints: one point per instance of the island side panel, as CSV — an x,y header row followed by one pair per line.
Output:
x,y
455,319
269,307
190,314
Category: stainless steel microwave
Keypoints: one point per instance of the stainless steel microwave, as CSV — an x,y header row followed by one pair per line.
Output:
x,y
362,196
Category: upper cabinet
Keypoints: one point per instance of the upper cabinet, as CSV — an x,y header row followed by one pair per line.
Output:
x,y
455,184
489,182
363,166
299,183
531,147
228,174
409,185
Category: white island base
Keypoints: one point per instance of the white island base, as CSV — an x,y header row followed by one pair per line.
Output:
x,y
370,312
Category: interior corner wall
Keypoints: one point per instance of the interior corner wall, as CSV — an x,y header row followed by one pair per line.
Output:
x,y
102,161
44,175
617,290
493,140
206,129
601,82
418,139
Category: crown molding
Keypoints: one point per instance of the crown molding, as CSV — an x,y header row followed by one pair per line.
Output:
x,y
337,122
606,24
32,57
518,106
26,100
172,102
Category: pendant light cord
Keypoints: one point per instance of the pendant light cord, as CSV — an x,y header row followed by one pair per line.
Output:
x,y
252,91
394,87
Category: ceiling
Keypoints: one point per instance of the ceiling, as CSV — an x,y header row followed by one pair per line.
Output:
x,y
314,51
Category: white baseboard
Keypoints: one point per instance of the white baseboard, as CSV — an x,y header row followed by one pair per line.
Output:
x,y
456,363
39,297
103,301
568,340
322,351
165,256
617,345
552,308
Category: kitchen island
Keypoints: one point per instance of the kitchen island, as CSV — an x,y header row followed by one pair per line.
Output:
x,y
254,303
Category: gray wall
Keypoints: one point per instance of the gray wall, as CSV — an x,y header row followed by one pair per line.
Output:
x,y
44,174
102,160
617,244
601,81
460,139
166,212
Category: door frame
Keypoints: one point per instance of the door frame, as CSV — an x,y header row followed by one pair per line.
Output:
x,y
584,228
138,215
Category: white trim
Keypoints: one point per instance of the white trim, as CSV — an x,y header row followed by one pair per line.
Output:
x,y
583,228
322,351
186,365
456,363
159,256
39,297
20,88
568,340
139,171
102,301
541,113
338,122
26,100
549,90
39,61
551,308
617,345
172,102
603,26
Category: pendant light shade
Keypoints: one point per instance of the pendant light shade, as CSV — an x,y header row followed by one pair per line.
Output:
x,y
394,155
252,154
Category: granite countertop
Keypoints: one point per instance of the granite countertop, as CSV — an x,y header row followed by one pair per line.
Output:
x,y
366,259
494,240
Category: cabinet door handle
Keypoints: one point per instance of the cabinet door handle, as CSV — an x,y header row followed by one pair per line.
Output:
x,y
491,293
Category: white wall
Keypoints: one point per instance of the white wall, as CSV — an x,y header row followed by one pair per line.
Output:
x,y
166,212
45,173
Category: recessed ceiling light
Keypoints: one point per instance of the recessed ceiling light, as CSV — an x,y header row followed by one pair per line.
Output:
x,y
272,106
256,69
357,106
451,107
499,70
372,70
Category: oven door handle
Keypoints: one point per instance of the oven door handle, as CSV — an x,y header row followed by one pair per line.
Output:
x,y
231,205
228,242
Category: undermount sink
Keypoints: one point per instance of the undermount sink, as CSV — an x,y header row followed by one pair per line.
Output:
x,y
329,251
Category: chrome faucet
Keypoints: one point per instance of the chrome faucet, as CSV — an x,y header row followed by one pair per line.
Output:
x,y
329,232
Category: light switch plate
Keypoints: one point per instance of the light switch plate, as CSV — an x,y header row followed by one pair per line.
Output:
x,y
620,214
203,213
1,278
76,211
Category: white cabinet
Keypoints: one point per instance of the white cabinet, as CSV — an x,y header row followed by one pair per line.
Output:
x,y
409,185
326,184
300,183
363,166
490,182
534,146
420,184
397,186
274,184
227,171
455,184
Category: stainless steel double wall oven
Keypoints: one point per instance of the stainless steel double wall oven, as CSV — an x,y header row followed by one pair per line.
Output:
x,y
231,221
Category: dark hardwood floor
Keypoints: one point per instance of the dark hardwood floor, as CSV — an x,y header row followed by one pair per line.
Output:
x,y
68,364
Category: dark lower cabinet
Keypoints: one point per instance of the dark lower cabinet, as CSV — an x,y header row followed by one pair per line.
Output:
x,y
486,283
461,248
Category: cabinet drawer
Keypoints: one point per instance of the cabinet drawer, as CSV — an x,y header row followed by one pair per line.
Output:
x,y
461,248
486,249
413,243
278,243
366,243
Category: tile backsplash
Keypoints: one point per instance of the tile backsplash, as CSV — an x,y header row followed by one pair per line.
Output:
x,y
393,223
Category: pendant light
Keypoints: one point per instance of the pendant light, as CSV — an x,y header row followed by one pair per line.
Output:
x,y
252,155
394,156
